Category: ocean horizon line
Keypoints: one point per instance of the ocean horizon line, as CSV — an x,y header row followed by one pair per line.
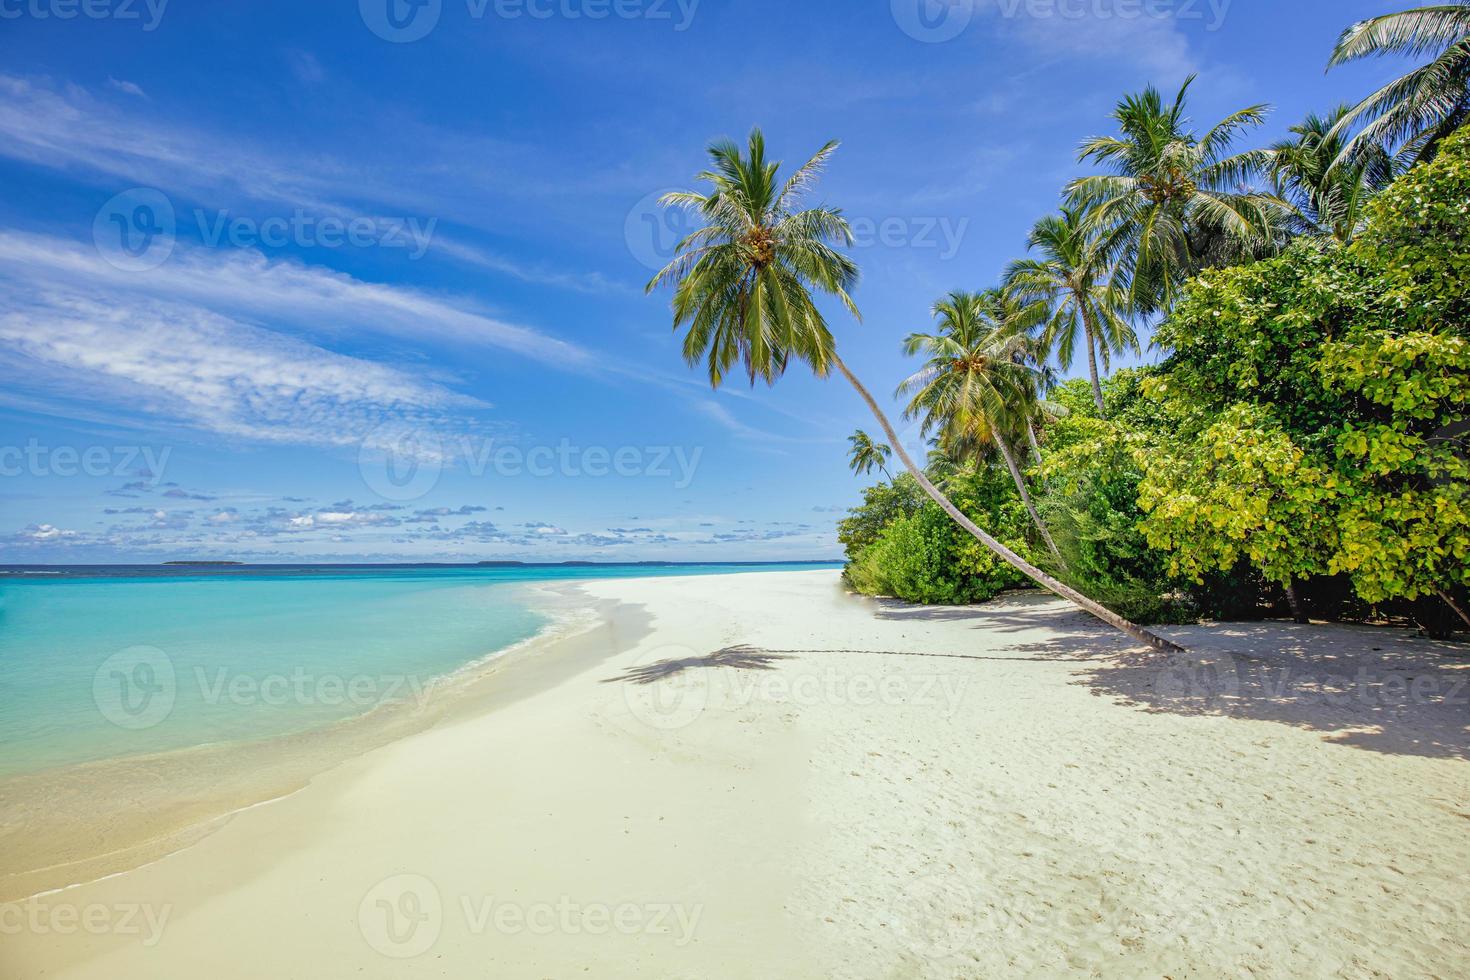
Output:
x,y
490,563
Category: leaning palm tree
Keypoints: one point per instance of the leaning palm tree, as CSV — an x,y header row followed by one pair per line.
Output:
x,y
1327,188
1179,201
743,288
1077,282
1412,114
864,455
975,388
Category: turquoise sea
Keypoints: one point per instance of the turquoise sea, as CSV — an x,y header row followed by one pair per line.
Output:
x,y
101,662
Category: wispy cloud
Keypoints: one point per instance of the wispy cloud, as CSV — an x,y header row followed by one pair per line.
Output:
x,y
591,283
69,128
186,365
126,87
72,129
1108,30
315,300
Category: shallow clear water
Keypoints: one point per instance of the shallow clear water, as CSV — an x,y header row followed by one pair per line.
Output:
x,y
99,663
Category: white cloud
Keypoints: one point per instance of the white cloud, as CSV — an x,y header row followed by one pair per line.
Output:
x,y
246,282
1109,30
126,87
71,129
45,532
187,365
593,283
305,66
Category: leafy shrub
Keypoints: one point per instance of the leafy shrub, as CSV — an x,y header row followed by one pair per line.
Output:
x,y
1319,396
881,506
921,555
1091,476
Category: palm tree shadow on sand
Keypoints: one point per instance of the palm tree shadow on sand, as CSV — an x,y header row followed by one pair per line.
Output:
x,y
736,657
1379,690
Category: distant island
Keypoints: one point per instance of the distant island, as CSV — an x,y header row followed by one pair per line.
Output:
x,y
647,564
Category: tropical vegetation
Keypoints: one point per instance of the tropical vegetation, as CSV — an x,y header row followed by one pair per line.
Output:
x,y
1414,114
1300,446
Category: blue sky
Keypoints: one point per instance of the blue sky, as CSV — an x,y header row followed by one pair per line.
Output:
x,y
300,281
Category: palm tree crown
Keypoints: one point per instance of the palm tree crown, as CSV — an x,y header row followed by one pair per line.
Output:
x,y
1180,200
864,455
743,282
977,388
974,377
1076,282
1326,189
1412,114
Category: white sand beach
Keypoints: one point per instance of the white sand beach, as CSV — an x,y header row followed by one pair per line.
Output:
x,y
760,775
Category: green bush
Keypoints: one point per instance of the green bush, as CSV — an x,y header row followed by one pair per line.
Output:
x,y
921,555
1092,475
1318,397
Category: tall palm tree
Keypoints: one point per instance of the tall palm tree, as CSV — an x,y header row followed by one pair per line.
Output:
x,y
1180,201
864,455
743,289
1327,188
1076,281
975,388
1412,114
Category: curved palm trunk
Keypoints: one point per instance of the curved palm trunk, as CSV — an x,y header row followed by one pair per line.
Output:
x,y
1450,601
1005,554
1020,481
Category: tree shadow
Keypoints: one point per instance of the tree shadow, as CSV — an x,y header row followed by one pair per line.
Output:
x,y
1379,689
1374,688
1011,612
736,657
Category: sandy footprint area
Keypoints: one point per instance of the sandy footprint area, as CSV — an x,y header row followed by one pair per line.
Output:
x,y
759,775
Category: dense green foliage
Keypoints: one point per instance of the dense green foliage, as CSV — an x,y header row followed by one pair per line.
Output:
x,y
1320,394
1091,478
1308,429
903,545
